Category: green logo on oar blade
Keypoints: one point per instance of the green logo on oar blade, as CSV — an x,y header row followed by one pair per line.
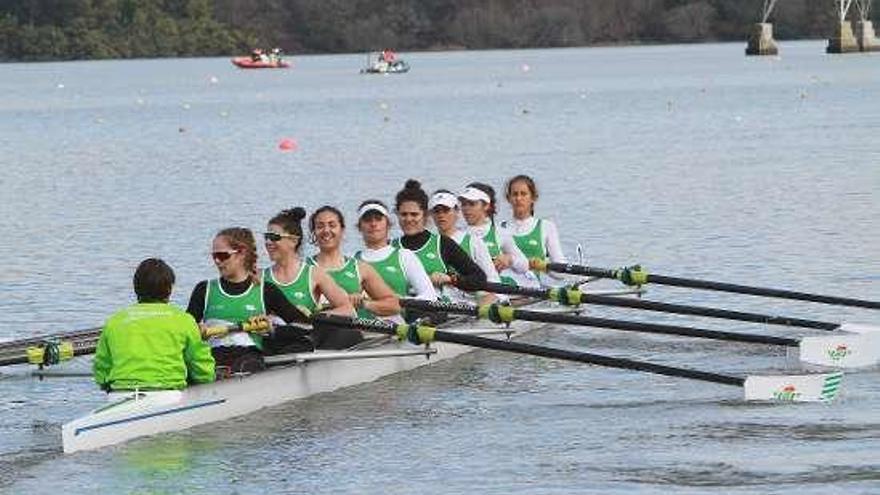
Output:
x,y
831,386
787,393
839,352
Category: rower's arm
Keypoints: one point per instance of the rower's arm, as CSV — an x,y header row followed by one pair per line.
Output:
x,y
470,276
554,247
340,304
416,276
196,306
518,261
382,300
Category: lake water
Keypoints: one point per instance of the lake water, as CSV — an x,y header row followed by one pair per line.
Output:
x,y
692,160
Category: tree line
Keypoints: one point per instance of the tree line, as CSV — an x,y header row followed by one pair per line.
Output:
x,y
87,29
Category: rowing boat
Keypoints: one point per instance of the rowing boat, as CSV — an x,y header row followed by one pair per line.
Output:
x,y
290,376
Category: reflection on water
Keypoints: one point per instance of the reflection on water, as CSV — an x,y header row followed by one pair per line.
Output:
x,y
692,160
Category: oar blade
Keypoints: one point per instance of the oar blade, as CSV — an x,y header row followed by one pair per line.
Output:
x,y
848,351
819,387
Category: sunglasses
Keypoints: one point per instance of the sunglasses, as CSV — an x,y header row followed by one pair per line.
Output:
x,y
275,236
221,256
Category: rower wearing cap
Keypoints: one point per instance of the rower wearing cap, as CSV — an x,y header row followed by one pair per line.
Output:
x,y
444,260
445,212
398,267
537,238
477,202
366,290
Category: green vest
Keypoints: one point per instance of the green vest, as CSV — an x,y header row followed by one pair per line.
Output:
x,y
347,277
530,243
151,346
429,254
466,245
391,271
235,309
298,292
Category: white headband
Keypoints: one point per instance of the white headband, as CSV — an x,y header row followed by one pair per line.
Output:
x,y
363,210
443,199
474,194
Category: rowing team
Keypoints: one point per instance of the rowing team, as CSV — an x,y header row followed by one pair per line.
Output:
x,y
155,345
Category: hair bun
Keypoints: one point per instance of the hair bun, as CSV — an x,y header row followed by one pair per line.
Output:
x,y
412,184
297,212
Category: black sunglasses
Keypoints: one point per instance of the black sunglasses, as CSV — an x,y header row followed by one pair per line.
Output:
x,y
220,256
275,236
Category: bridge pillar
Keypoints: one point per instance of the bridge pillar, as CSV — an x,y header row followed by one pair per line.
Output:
x,y
843,40
760,41
864,33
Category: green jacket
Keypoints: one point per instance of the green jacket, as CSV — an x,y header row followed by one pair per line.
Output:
x,y
152,346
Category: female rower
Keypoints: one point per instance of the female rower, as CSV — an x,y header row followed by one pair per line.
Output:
x,y
443,259
445,212
366,290
304,284
237,295
399,268
538,239
478,209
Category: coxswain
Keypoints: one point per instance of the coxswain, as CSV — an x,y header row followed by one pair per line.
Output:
x,y
152,345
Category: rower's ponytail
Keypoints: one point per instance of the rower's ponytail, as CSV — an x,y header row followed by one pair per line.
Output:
x,y
412,191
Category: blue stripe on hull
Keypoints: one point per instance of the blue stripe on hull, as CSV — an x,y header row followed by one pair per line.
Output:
x,y
147,416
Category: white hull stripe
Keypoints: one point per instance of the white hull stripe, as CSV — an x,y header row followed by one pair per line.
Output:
x,y
97,426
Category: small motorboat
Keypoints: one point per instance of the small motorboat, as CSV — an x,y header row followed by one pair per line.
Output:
x,y
250,63
377,63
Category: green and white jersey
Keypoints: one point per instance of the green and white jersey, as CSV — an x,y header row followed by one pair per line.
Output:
x,y
299,291
347,277
223,307
391,270
429,254
532,242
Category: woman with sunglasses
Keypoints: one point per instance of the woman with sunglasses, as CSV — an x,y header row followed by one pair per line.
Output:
x,y
477,202
443,259
398,267
366,290
538,239
304,284
444,211
237,295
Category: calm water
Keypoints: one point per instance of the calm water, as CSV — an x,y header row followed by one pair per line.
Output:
x,y
692,160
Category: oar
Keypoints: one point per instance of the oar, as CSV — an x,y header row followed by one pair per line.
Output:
x,y
573,297
636,275
53,349
839,351
781,388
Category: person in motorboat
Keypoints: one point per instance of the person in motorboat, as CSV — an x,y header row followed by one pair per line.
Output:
x,y
388,56
443,259
537,238
445,212
304,284
399,267
152,344
366,290
478,207
257,55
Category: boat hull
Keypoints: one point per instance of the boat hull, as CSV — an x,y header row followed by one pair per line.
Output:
x,y
136,414
248,63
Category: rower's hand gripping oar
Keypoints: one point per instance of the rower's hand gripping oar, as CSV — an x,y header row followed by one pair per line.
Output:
x,y
636,275
790,388
858,348
256,324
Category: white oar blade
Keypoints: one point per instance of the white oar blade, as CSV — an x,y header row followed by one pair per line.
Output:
x,y
820,387
842,350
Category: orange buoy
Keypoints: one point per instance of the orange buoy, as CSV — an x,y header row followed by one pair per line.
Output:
x,y
287,144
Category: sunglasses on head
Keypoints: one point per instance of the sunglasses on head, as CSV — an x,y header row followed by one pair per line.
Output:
x,y
220,256
275,236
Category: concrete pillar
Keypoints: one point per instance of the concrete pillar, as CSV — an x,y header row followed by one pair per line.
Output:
x,y
843,40
865,36
761,40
